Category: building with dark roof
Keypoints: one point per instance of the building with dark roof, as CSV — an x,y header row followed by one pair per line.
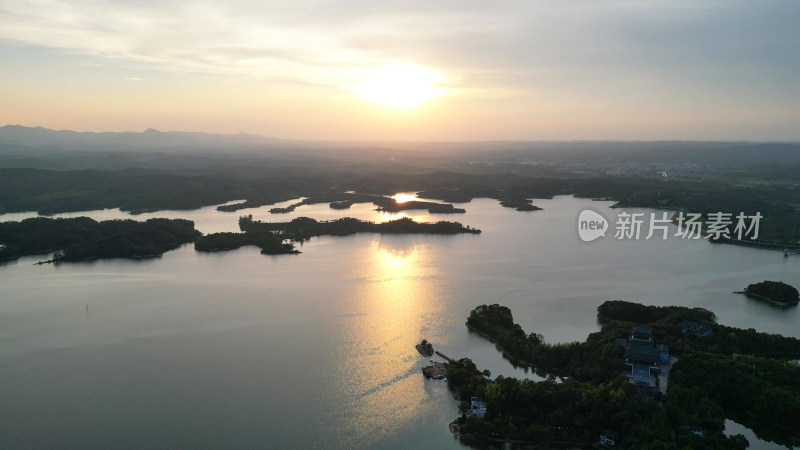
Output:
x,y
640,347
642,333
644,360
642,352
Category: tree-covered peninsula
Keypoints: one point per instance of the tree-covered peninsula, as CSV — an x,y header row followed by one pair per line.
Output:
x,y
775,292
732,373
82,238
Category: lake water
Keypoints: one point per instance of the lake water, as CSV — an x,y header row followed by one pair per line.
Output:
x,y
240,349
732,428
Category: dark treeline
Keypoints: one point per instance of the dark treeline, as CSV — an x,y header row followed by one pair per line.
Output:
x,y
761,393
578,413
664,320
732,341
635,312
717,377
44,235
50,191
84,238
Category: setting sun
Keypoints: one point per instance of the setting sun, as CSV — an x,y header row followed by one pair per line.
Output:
x,y
398,86
403,197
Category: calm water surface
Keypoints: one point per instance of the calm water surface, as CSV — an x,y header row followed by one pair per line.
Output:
x,y
239,349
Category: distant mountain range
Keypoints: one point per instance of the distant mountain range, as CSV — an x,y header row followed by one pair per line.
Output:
x,y
151,138
43,148
25,142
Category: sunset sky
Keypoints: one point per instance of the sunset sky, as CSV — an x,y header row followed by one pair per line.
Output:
x,y
408,70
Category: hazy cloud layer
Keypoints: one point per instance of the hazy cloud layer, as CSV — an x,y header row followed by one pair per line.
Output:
x,y
490,43
674,53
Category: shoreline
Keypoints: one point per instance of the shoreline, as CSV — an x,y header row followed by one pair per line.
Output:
x,y
563,443
755,244
511,359
767,299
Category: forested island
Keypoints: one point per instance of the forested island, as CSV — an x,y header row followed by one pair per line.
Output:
x,y
774,292
303,228
341,204
520,204
275,238
733,373
82,238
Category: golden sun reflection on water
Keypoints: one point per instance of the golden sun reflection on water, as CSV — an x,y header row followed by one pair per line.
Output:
x,y
418,215
397,295
402,197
